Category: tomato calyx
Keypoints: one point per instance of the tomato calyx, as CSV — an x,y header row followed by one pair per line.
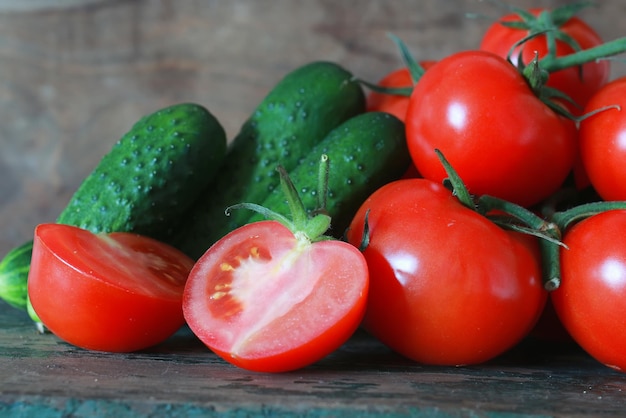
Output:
x,y
506,215
514,217
563,220
306,227
547,22
537,76
502,212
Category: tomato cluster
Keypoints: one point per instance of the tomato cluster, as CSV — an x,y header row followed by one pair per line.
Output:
x,y
454,264
516,125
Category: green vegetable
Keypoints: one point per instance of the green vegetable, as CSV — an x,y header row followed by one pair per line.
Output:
x,y
364,153
296,114
152,175
145,184
13,273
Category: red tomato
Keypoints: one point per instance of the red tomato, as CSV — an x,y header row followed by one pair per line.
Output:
x,y
501,139
390,103
603,141
115,292
266,300
591,300
447,286
579,84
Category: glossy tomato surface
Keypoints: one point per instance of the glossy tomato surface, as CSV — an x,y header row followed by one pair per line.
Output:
x,y
395,104
268,301
447,286
603,141
499,137
578,83
115,292
591,300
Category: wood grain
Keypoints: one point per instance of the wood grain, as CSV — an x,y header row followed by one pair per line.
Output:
x,y
41,376
76,74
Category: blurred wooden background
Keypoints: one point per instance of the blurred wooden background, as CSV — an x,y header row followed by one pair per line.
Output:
x,y
76,74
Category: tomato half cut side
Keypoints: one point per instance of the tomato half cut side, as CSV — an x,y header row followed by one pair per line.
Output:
x,y
266,300
116,292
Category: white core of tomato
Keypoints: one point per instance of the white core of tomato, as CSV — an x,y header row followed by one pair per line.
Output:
x,y
286,280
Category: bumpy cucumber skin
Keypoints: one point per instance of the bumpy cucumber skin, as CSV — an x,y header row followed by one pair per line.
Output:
x,y
145,184
364,153
297,113
152,175
13,274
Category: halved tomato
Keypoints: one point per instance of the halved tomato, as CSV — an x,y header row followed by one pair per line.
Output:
x,y
266,299
116,292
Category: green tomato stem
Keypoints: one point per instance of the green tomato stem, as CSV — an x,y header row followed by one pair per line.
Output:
x,y
566,218
548,232
415,69
516,218
550,251
551,264
551,63
296,207
322,185
488,203
458,187
301,224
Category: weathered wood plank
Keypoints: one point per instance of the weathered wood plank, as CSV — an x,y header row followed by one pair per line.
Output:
x,y
75,75
43,375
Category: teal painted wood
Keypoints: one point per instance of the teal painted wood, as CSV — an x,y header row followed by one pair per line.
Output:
x,y
44,377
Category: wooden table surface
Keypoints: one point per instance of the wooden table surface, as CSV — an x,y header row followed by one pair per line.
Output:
x,y
44,378
76,74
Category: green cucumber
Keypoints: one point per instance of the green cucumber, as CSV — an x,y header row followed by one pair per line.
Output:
x,y
13,274
296,114
152,175
364,153
145,184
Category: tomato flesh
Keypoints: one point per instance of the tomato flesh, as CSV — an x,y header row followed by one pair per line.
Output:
x,y
266,300
115,292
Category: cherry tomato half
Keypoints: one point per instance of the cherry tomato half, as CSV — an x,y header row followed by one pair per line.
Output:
x,y
447,286
267,300
115,292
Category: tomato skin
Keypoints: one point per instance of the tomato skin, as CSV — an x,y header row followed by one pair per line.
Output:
x,y
394,104
118,292
265,302
578,84
500,138
602,146
447,286
591,300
